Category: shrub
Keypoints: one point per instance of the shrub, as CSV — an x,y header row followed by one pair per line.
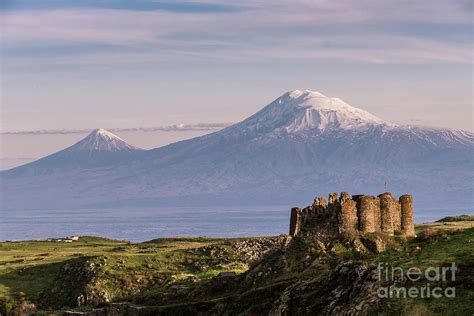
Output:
x,y
427,234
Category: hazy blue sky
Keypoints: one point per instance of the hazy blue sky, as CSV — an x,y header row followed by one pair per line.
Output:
x,y
127,64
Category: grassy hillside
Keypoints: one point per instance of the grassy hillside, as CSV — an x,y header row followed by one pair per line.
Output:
x,y
188,275
43,272
460,218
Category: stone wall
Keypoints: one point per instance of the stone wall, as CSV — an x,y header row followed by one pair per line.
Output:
x,y
347,215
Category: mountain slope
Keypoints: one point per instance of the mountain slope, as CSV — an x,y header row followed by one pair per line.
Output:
x,y
304,142
99,148
301,143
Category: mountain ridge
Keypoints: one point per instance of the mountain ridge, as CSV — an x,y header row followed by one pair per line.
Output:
x,y
281,154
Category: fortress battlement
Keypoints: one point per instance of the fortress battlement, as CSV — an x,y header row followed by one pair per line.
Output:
x,y
346,215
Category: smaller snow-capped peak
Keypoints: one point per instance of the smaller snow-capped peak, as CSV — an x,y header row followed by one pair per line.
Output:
x,y
101,139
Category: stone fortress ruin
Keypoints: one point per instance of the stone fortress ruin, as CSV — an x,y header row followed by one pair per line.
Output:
x,y
347,215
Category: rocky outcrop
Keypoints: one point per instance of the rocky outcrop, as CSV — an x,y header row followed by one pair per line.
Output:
x,y
73,285
17,306
96,280
350,289
252,250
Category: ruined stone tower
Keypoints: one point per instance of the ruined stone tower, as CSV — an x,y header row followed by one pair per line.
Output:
x,y
407,218
348,215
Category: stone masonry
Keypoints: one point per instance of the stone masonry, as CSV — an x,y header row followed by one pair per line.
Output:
x,y
347,215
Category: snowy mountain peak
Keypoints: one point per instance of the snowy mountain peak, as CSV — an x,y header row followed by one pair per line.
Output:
x,y
298,93
295,94
306,111
101,139
322,112
103,132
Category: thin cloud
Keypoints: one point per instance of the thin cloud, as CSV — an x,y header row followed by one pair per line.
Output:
x,y
171,6
167,128
17,158
270,29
